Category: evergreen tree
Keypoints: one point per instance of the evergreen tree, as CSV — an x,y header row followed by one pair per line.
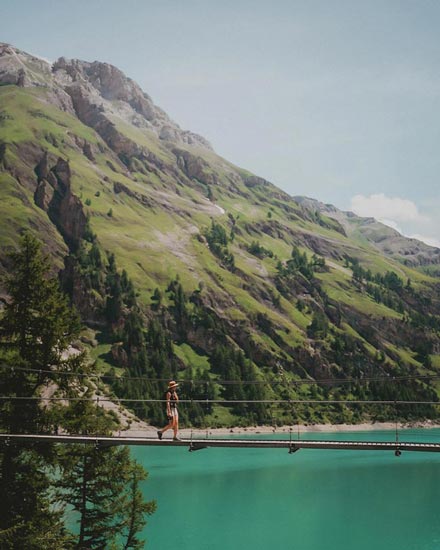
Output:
x,y
101,484
37,326
37,318
319,325
91,484
136,509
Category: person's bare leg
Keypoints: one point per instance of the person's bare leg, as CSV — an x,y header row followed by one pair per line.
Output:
x,y
167,427
163,430
175,426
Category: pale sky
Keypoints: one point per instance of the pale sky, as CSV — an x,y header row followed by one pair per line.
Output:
x,y
338,100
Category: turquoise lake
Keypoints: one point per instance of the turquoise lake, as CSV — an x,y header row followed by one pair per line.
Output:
x,y
217,499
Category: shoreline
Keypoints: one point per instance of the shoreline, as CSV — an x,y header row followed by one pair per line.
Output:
x,y
141,429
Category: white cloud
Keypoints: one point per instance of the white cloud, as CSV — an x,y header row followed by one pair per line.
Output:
x,y
394,211
386,209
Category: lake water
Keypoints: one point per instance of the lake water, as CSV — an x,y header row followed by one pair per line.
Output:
x,y
219,499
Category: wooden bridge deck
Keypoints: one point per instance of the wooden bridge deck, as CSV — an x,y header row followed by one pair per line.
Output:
x,y
200,443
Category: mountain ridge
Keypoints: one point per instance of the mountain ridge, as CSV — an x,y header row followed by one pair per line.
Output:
x,y
63,75
388,240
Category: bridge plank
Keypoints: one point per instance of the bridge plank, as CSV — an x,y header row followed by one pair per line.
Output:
x,y
194,444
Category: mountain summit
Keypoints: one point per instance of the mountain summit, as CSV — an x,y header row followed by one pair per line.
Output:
x,y
94,91
183,264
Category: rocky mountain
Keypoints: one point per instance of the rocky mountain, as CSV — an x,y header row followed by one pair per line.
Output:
x,y
183,264
385,239
95,92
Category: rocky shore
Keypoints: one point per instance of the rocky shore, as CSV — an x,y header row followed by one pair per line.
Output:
x,y
140,429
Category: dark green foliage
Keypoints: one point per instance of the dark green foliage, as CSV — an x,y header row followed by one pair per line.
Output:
x,y
276,298
156,298
200,387
296,275
257,250
177,295
135,509
88,234
319,326
37,326
425,320
390,290
218,244
150,355
343,346
37,318
113,308
299,262
231,364
390,280
102,486
26,509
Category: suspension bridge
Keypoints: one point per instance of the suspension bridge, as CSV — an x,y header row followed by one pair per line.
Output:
x,y
197,443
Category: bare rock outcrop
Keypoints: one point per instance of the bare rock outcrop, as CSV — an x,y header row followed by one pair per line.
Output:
x,y
26,70
100,90
54,195
194,167
121,188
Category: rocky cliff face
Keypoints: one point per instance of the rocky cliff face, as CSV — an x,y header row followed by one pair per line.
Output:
x,y
26,70
54,195
95,91
20,68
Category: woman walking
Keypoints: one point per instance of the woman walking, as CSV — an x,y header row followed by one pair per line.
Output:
x,y
172,412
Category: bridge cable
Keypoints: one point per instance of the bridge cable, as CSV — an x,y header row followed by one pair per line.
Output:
x,y
224,401
421,377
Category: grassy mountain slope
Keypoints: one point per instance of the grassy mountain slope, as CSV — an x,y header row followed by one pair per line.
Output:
x,y
86,160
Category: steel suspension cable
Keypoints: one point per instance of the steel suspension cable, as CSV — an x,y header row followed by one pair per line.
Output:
x,y
226,401
365,379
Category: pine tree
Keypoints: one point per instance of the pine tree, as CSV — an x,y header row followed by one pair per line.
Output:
x,y
37,318
136,509
102,484
37,326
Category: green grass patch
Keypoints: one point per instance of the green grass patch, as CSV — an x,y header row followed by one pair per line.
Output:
x,y
191,358
349,295
405,355
31,116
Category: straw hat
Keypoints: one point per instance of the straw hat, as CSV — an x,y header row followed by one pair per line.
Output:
x,y
172,385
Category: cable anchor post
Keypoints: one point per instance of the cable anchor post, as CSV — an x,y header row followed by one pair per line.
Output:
x,y
397,452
